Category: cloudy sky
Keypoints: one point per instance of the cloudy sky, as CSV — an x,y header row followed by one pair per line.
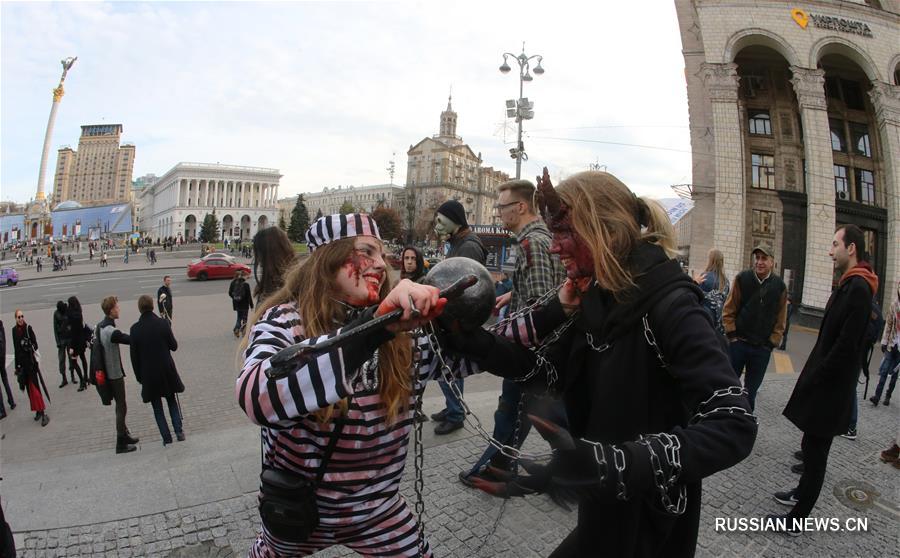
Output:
x,y
327,92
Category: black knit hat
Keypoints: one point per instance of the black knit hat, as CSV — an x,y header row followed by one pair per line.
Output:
x,y
454,211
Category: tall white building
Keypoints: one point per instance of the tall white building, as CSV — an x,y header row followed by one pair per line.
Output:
x,y
244,200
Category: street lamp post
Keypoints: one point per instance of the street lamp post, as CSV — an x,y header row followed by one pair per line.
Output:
x,y
521,108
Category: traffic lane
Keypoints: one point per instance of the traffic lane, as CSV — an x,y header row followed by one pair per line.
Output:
x,y
35,295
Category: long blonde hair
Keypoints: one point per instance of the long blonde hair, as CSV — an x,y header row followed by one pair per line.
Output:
x,y
605,215
312,286
716,263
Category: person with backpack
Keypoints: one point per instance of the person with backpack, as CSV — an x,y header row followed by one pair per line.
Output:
x,y
715,287
890,348
872,335
241,301
754,316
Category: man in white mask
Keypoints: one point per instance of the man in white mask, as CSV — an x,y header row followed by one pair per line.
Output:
x,y
450,224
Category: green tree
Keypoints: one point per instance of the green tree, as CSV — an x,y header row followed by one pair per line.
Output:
x,y
319,213
299,220
388,221
209,229
347,207
281,224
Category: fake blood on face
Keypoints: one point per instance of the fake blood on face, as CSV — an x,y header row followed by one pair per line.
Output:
x,y
356,268
574,253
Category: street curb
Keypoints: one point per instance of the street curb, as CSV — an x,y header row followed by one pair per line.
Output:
x,y
66,275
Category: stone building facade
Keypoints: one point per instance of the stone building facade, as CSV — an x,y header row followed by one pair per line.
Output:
x,y
795,130
330,200
442,167
99,172
244,200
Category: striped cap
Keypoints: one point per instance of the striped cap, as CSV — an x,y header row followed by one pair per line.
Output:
x,y
329,228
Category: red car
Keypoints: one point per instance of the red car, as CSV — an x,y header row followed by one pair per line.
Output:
x,y
215,268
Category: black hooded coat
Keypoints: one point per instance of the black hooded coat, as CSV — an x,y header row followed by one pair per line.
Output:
x,y
615,394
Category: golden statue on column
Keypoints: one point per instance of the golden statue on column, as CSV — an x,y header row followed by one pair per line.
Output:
x,y
38,213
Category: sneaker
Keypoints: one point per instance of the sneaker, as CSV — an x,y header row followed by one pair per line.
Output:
x,y
797,469
798,455
447,427
873,400
439,416
788,497
850,435
789,527
891,454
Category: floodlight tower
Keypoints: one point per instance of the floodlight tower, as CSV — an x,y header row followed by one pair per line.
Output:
x,y
522,108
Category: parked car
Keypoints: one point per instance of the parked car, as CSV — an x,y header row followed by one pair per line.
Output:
x,y
9,276
215,268
218,256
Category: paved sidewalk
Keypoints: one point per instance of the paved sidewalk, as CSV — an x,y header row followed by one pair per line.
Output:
x,y
198,498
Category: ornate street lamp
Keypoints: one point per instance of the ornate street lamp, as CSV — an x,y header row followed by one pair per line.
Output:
x,y
522,108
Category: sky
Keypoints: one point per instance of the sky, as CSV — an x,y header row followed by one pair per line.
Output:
x,y
330,92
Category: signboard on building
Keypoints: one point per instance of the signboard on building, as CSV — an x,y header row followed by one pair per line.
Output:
x,y
834,23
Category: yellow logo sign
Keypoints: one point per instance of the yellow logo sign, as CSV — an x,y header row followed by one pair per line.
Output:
x,y
800,17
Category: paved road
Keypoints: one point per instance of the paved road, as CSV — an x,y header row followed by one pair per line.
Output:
x,y
127,285
67,494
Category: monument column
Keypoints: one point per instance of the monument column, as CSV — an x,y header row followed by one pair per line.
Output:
x,y
721,81
809,87
886,102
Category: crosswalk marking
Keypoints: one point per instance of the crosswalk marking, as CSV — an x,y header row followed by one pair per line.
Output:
x,y
783,364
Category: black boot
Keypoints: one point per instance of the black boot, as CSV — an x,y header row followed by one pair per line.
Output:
x,y
129,439
65,382
122,445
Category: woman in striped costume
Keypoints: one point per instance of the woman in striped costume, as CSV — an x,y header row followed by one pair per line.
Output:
x,y
370,383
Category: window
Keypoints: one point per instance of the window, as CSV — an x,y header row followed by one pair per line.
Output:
x,y
760,123
763,222
837,135
859,139
865,186
841,186
853,95
763,171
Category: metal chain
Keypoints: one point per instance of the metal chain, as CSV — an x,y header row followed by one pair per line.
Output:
x,y
419,461
470,417
513,316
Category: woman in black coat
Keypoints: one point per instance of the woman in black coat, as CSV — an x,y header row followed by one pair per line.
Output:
x,y
652,402
241,301
28,372
152,341
78,340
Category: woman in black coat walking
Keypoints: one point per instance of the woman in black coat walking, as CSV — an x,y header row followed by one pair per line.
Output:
x,y
653,404
28,372
78,340
152,341
241,301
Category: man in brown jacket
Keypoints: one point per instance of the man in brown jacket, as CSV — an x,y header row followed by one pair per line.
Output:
x,y
754,316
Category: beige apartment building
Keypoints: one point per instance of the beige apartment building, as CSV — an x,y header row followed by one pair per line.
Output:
x,y
795,130
443,167
99,172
